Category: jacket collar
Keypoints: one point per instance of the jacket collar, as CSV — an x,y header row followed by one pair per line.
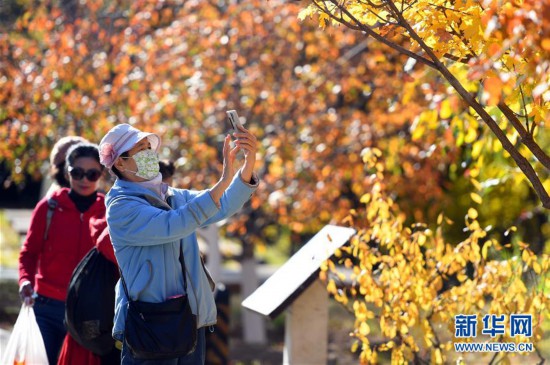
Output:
x,y
61,196
131,188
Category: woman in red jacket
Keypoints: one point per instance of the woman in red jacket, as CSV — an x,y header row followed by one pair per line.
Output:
x,y
58,238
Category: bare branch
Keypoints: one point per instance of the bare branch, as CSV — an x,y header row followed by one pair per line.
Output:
x,y
381,6
444,8
454,58
542,360
525,135
494,358
526,115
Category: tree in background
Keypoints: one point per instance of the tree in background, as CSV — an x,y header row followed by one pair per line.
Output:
x,y
176,67
494,55
318,99
409,283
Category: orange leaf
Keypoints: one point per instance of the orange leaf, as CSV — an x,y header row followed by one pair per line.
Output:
x,y
493,88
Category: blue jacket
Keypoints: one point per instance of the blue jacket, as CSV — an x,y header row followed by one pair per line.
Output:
x,y
146,234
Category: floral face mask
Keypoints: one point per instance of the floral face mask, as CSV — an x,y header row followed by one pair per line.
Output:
x,y
147,162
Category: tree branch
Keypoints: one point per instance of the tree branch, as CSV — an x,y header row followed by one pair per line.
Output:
x,y
542,360
520,160
526,137
434,62
525,111
370,32
494,358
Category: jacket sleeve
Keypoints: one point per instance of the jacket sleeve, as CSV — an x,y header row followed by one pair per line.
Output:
x,y
234,198
134,221
101,238
33,244
105,246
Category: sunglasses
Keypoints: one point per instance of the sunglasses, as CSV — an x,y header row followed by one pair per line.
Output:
x,y
78,173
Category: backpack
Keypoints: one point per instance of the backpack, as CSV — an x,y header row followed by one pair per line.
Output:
x,y
90,304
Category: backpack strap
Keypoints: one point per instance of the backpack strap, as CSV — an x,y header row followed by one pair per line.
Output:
x,y
52,204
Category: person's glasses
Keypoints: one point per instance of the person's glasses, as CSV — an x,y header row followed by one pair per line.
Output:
x,y
78,173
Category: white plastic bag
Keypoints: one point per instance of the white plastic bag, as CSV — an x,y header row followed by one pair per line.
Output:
x,y
25,346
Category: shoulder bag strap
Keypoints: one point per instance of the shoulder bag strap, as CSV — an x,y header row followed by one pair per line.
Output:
x,y
124,284
182,263
181,260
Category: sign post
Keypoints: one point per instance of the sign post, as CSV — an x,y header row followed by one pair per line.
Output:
x,y
296,286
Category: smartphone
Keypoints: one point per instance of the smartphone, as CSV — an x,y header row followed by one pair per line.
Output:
x,y
234,120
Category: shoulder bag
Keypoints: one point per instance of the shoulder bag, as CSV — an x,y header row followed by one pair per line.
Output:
x,y
164,330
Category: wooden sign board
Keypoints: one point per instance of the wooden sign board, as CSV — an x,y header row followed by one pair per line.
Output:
x,y
291,279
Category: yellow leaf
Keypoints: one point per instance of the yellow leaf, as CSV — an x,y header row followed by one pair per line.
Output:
x,y
364,329
537,268
525,256
445,111
476,198
418,131
477,148
438,283
511,229
331,287
323,19
437,358
304,13
472,213
421,240
471,135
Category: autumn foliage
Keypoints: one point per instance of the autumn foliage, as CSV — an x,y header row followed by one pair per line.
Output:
x,y
408,281
493,54
175,68
407,111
